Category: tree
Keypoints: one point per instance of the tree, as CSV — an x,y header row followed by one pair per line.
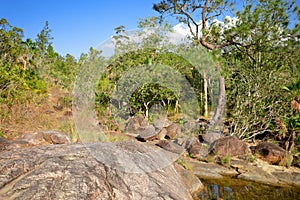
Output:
x,y
18,81
187,12
263,56
258,54
10,40
148,54
44,39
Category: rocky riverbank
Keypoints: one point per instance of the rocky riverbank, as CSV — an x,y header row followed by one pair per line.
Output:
x,y
46,164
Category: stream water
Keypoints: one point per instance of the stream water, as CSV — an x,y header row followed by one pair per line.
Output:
x,y
236,189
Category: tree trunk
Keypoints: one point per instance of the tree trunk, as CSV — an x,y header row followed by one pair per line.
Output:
x,y
216,119
147,110
205,87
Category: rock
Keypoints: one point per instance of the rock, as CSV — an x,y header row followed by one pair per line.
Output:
x,y
239,165
3,144
289,178
257,172
210,170
161,123
178,145
71,171
142,120
136,122
162,134
296,161
229,146
147,133
172,131
190,126
42,138
196,149
33,138
56,137
262,172
211,136
174,147
162,143
132,125
192,182
271,153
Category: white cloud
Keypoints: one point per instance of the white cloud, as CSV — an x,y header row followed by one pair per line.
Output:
x,y
180,34
182,29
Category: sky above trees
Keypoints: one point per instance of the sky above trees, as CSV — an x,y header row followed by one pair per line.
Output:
x,y
76,25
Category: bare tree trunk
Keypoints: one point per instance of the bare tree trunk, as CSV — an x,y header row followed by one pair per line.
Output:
x,y
147,110
205,87
216,119
221,102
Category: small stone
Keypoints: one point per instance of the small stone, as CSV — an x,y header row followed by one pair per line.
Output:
x,y
56,137
68,113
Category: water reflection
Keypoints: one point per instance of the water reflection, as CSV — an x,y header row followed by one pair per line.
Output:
x,y
236,189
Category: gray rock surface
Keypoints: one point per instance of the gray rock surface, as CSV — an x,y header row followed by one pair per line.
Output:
x,y
210,170
258,171
191,181
147,132
211,136
72,172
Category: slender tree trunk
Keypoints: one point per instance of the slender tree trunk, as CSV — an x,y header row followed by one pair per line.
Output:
x,y
216,119
205,87
147,110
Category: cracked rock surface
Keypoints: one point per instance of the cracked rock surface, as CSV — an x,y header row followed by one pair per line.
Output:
x,y
70,171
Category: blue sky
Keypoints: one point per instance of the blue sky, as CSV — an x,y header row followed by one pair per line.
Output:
x,y
76,24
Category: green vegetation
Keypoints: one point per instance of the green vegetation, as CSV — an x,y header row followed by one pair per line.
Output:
x,y
258,57
225,160
29,72
184,163
151,93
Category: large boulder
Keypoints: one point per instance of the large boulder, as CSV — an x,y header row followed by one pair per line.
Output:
x,y
273,154
77,171
229,146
